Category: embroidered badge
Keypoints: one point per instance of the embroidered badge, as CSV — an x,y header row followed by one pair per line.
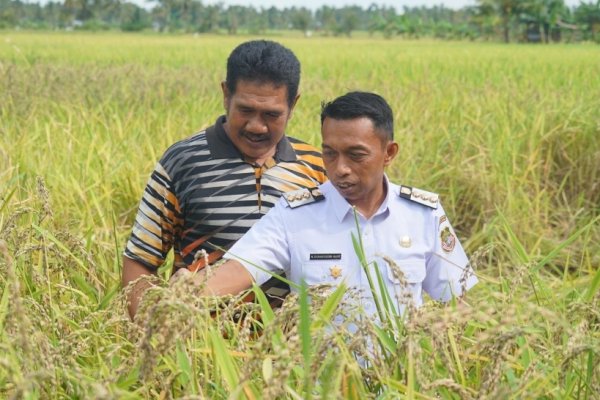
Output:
x,y
448,239
443,219
405,242
335,271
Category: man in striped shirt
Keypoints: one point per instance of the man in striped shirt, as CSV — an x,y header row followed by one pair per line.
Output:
x,y
209,189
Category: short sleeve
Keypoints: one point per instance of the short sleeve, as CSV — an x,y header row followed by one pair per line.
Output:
x,y
154,226
264,249
449,273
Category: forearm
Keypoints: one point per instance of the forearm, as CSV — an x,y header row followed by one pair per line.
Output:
x,y
132,271
229,278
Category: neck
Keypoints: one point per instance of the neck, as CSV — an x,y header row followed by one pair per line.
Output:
x,y
368,207
262,160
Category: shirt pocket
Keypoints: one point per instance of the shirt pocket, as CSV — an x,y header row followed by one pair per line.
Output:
x,y
413,270
323,272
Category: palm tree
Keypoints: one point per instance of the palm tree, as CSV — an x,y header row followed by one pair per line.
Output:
x,y
588,14
546,14
325,17
507,10
301,19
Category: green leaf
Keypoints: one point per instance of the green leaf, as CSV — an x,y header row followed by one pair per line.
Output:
x,y
105,301
358,249
267,314
564,244
60,245
7,199
224,361
386,339
593,288
589,378
83,285
305,322
3,307
330,305
516,243
183,362
456,356
131,378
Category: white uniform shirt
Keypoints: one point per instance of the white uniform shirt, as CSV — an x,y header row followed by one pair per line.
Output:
x,y
314,242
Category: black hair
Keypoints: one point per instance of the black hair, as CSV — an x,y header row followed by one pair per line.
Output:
x,y
362,104
264,61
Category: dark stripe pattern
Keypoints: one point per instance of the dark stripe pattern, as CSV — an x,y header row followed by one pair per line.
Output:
x,y
193,201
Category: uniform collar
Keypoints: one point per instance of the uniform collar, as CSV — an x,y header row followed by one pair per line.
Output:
x,y
341,208
220,146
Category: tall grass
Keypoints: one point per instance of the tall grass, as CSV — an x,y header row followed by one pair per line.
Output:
x,y
508,135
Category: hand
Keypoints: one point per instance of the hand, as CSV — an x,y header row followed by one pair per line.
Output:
x,y
229,278
182,274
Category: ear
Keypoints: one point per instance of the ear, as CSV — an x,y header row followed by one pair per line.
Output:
x,y
391,150
293,105
226,95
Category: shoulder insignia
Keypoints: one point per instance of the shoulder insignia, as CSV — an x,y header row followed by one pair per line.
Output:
x,y
423,197
303,196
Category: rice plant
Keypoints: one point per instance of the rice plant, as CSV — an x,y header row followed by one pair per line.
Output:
x,y
508,135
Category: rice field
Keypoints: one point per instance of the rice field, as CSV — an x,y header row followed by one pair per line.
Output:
x,y
509,135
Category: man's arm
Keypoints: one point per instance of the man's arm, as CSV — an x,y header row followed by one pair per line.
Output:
x,y
449,274
265,244
132,270
230,277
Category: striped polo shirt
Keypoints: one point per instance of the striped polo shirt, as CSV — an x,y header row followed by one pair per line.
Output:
x,y
202,195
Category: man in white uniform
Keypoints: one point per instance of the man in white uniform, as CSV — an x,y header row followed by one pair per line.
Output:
x,y
404,232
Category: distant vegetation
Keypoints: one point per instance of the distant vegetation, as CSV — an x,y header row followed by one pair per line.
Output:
x,y
505,20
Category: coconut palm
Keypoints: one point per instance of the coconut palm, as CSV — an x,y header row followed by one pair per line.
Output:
x,y
506,10
545,13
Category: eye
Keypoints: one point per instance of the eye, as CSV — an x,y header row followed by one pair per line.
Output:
x,y
328,153
357,156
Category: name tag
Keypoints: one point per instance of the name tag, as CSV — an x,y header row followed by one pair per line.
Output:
x,y
326,256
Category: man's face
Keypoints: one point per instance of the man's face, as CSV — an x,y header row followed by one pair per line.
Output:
x,y
257,114
355,157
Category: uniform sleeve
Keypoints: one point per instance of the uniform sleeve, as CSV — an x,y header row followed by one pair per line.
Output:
x,y
449,273
264,249
155,223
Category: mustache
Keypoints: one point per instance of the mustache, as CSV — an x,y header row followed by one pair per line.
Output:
x,y
255,136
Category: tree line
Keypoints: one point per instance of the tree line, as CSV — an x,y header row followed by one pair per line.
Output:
x,y
506,20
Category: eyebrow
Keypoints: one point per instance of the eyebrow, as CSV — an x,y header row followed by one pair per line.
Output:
x,y
359,148
352,148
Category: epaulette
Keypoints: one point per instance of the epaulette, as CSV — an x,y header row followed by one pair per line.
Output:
x,y
428,199
303,196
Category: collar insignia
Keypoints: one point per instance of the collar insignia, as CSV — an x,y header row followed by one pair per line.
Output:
x,y
423,197
303,196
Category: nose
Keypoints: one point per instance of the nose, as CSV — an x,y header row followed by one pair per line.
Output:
x,y
256,125
342,168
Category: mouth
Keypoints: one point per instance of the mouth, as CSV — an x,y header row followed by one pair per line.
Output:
x,y
253,138
344,185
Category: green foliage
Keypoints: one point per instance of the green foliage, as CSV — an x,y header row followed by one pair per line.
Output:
x,y
508,135
507,20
